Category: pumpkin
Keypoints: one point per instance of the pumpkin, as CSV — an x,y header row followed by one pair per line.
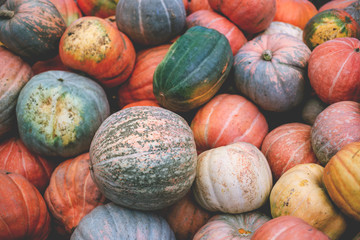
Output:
x,y
98,8
72,194
140,84
142,103
196,5
16,158
271,70
151,22
232,226
68,9
251,16
58,113
193,70
36,25
282,27
286,146
337,125
14,74
111,221
226,119
23,211
328,25
332,73
339,4
211,19
54,63
300,192
235,178
94,46
295,12
288,227
312,107
354,10
341,178
186,217
143,157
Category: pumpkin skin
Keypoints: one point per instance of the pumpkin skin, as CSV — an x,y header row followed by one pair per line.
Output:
x,y
14,74
211,19
98,8
143,157
193,69
271,69
54,63
336,126
151,22
72,194
288,227
226,119
23,211
94,46
250,16
313,106
300,192
282,27
341,179
36,24
16,158
58,113
140,84
232,226
235,178
354,10
142,103
328,25
286,146
112,222
68,9
332,73
340,4
196,5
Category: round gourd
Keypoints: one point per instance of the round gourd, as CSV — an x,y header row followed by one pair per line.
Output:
x,y
143,157
113,222
151,22
331,4
354,10
98,8
235,178
193,70
312,107
196,5
68,9
142,103
58,113
282,27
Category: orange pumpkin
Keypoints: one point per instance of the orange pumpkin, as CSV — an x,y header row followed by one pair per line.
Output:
x,y
98,8
196,5
54,63
68,9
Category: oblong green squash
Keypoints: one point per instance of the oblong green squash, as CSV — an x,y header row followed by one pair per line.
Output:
x,y
193,70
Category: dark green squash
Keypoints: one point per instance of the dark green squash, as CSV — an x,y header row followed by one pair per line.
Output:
x,y
193,70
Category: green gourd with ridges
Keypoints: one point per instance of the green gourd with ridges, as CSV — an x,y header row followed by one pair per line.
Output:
x,y
193,70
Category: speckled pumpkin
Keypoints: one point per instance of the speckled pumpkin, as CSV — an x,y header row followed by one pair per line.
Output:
x,y
68,9
58,113
143,157
287,28
98,8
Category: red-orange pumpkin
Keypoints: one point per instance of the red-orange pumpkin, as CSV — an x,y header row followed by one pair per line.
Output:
x,y
196,5
23,212
98,8
336,4
54,63
226,119
68,9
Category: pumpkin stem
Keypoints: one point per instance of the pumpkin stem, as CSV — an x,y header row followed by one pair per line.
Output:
x,y
267,55
6,14
357,49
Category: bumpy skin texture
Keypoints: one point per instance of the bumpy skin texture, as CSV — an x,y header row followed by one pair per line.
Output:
x,y
59,112
112,222
143,157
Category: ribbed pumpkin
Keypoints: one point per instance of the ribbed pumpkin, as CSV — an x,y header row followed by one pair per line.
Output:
x,y
339,4
143,157
68,9
226,119
300,192
140,84
295,12
98,8
271,71
354,10
341,179
23,211
251,16
282,27
328,25
142,103
15,157
336,126
58,113
54,63
113,222
193,70
333,71
235,178
232,226
72,194
288,227
94,46
151,22
211,19
36,25
196,5
14,74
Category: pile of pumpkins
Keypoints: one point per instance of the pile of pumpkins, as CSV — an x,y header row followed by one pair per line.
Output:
x,y
177,119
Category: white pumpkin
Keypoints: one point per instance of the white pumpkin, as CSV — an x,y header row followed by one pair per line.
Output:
x,y
232,179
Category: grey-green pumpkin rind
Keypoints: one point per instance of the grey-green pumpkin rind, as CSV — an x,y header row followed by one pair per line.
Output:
x,y
193,70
